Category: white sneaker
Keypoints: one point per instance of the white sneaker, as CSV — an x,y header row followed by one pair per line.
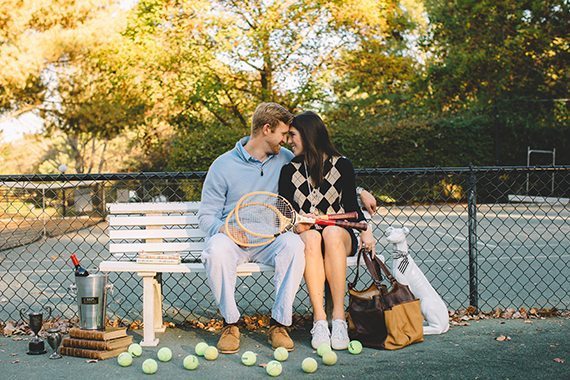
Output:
x,y
320,333
339,338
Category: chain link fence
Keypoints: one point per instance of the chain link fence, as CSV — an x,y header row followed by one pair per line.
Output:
x,y
484,236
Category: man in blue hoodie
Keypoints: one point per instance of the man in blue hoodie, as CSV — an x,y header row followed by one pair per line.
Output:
x,y
253,165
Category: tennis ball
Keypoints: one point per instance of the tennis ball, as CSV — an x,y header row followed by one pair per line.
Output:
x,y
355,347
211,353
200,348
135,349
150,366
329,358
164,354
281,354
248,358
274,368
190,362
125,359
323,347
309,365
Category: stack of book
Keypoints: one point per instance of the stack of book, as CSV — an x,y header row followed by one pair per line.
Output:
x,y
94,344
160,258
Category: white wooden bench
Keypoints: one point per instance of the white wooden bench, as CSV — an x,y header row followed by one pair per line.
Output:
x,y
165,227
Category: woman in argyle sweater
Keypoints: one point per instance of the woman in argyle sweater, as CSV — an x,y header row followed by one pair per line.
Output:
x,y
319,180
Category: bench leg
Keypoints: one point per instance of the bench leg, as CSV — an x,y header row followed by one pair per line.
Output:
x,y
149,339
158,325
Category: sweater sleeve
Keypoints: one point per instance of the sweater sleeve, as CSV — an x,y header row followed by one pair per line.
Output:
x,y
212,201
286,187
348,200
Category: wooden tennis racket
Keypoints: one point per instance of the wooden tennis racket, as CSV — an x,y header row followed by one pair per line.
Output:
x,y
267,215
242,237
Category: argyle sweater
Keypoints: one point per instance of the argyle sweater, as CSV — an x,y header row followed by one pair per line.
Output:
x,y
336,194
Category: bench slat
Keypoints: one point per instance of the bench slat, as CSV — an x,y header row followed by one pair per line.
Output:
x,y
128,266
152,207
181,233
156,247
167,220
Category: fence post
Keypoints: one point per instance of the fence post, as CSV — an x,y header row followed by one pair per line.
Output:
x,y
472,229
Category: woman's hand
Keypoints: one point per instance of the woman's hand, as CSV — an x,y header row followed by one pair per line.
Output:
x,y
301,227
367,241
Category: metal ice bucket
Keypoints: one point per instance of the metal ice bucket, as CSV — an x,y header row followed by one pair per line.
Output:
x,y
92,300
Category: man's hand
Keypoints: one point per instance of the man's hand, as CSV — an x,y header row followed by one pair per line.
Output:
x,y
368,201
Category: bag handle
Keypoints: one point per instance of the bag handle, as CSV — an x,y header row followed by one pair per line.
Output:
x,y
384,268
375,272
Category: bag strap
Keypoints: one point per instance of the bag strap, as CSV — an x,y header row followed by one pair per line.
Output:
x,y
386,271
373,269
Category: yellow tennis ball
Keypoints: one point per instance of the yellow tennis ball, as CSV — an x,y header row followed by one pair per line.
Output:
x,y
164,354
248,358
125,359
274,368
355,347
329,358
323,347
135,349
190,362
281,354
309,365
200,348
150,366
211,353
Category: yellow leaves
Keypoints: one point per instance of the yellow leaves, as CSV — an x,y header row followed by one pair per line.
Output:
x,y
362,16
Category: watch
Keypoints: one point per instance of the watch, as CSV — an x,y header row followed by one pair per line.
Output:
x,y
359,190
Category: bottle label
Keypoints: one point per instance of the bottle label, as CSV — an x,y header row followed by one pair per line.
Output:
x,y
89,300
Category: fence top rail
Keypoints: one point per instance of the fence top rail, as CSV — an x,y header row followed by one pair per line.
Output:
x,y
5,179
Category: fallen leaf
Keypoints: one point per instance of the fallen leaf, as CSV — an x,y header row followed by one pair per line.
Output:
x,y
503,338
15,361
559,360
91,361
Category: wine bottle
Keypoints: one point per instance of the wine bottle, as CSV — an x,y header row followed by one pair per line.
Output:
x,y
79,270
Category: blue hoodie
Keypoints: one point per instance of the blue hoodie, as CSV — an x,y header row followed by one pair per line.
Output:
x,y
232,175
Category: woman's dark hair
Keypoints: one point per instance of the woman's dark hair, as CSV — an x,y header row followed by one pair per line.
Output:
x,y
317,145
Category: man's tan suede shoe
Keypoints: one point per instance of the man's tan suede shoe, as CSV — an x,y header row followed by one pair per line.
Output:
x,y
279,337
229,341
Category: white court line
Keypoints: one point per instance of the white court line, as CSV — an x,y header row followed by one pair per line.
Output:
x,y
443,260
460,238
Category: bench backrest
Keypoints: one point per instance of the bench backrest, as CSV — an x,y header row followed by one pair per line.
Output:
x,y
162,227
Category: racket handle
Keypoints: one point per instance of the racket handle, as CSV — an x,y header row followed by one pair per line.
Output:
x,y
361,226
343,216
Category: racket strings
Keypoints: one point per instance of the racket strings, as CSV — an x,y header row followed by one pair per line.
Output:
x,y
263,214
240,236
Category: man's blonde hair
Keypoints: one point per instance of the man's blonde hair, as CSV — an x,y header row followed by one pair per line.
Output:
x,y
269,113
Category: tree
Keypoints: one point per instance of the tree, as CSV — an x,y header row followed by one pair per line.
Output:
x,y
501,58
227,56
73,74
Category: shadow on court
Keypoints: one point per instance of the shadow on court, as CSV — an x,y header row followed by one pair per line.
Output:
x,y
466,352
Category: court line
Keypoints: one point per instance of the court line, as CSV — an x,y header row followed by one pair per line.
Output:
x,y
455,237
412,246
443,260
